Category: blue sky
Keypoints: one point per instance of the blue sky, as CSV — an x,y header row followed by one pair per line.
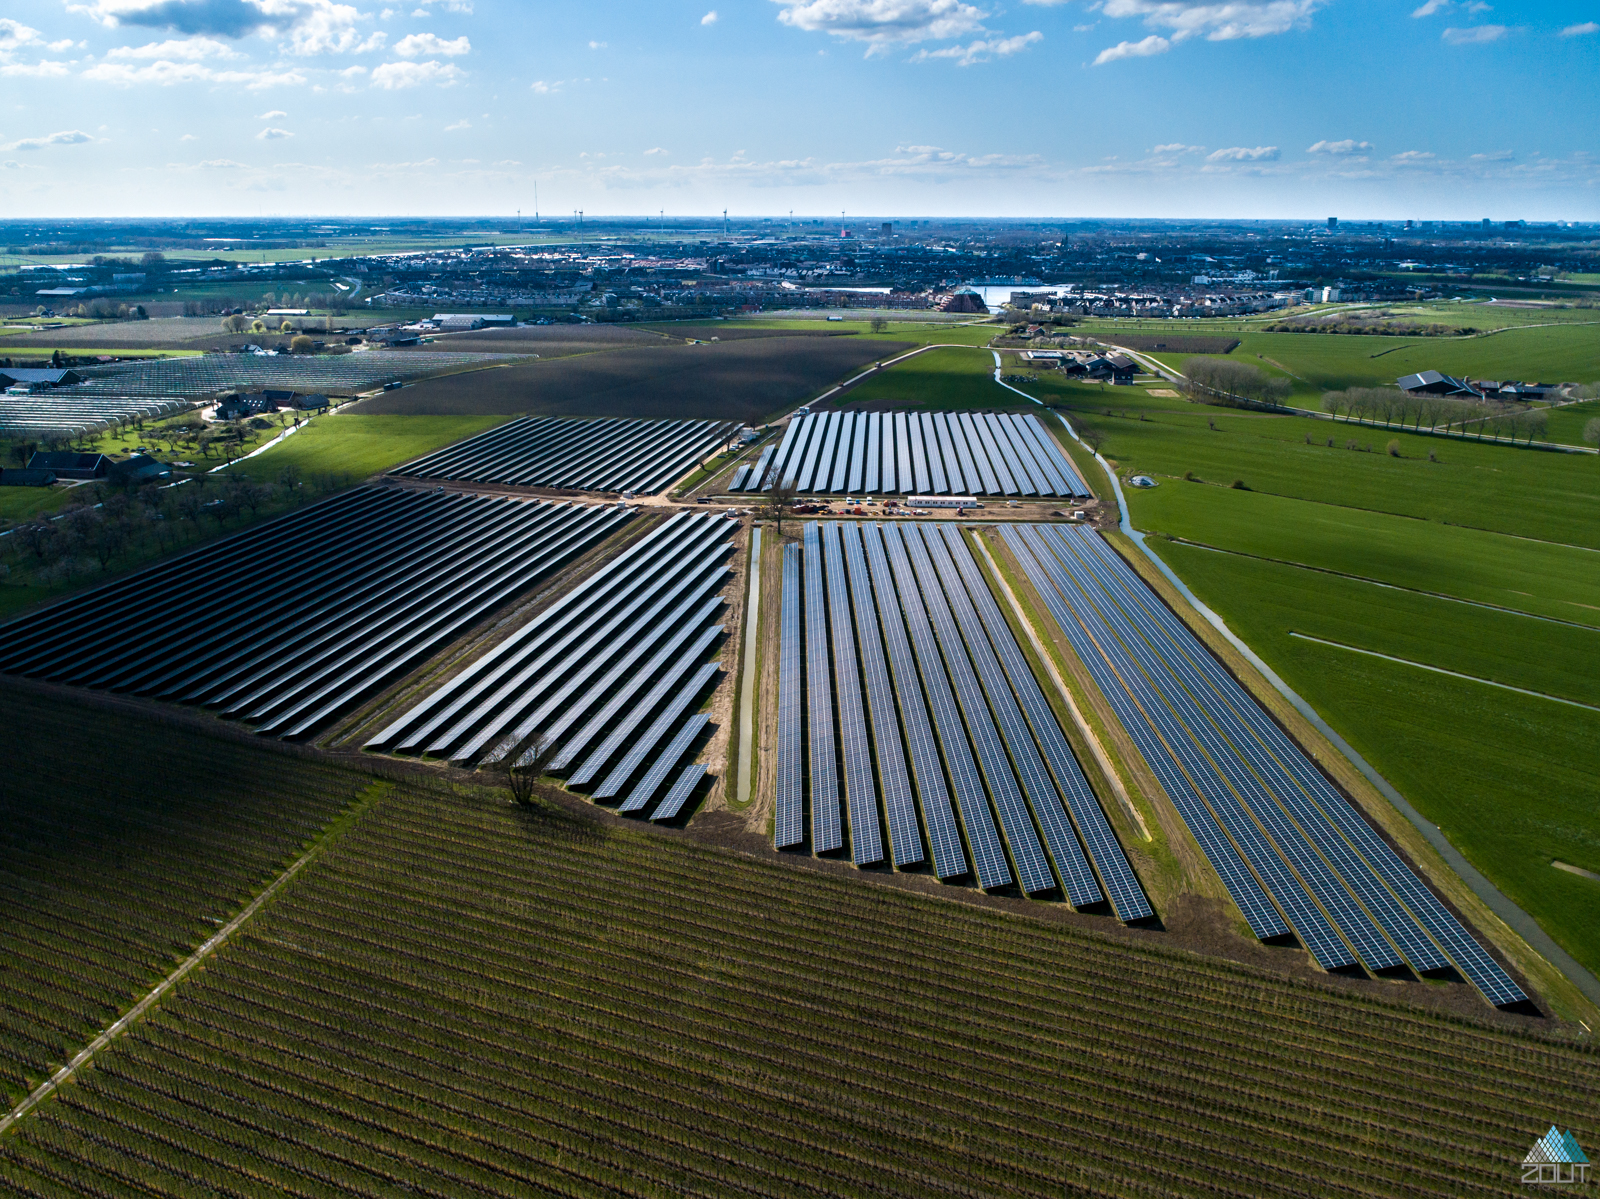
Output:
x,y
1365,109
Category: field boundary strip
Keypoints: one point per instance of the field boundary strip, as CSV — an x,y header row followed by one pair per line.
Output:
x,y
1455,674
123,1023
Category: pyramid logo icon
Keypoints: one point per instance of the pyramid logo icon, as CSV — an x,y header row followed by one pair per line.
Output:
x,y
1556,1158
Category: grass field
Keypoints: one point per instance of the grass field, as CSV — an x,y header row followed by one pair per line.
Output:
x,y
944,379
461,997
355,445
1511,779
115,867
1567,422
19,503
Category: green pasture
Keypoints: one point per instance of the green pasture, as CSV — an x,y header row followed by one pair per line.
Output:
x,y
1425,555
19,503
355,446
949,379
1512,780
1528,493
921,332
1567,421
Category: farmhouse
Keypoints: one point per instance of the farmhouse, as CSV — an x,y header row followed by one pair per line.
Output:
x,y
27,477
138,469
1433,383
71,466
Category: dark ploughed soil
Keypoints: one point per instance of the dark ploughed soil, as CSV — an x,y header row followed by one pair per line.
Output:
x,y
547,341
720,332
747,379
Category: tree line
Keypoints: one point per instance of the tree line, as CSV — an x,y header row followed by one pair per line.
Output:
x,y
1224,381
1387,406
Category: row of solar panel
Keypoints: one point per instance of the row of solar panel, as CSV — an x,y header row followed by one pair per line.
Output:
x,y
917,453
910,662
375,580
579,455
600,687
1270,821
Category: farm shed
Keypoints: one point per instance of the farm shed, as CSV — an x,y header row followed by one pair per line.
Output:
x,y
71,466
12,376
27,477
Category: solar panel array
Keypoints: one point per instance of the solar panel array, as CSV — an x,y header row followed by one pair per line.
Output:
x,y
580,455
296,621
207,374
1293,851
604,684
918,453
58,412
917,696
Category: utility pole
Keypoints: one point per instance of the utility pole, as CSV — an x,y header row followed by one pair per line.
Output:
x,y
724,222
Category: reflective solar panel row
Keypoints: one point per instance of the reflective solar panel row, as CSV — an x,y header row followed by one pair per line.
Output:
x,y
920,453
1403,905
601,682
827,831
579,455
1048,579
788,827
378,579
1381,910
942,718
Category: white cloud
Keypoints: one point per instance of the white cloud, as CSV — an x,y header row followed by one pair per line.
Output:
x,y
1175,148
1494,156
392,76
273,135
883,23
310,26
710,18
598,45
277,114
982,50
1412,156
188,137
44,69
223,164
654,150
1153,44
1347,146
1582,30
540,87
1475,35
1431,7
67,137
166,74
1217,22
421,45
463,123
57,47
14,35
1244,154
188,49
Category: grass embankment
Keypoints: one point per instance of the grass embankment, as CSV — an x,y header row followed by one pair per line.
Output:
x,y
1513,780
357,446
461,995
126,843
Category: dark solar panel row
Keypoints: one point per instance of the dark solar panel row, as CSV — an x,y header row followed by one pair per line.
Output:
x,y
788,826
921,453
578,455
1120,882
1310,797
379,579
905,841
1027,855
622,651
1048,579
861,797
1309,921
1076,877
827,831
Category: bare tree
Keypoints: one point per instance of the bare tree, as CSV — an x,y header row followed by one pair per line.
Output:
x,y
779,500
522,771
1591,431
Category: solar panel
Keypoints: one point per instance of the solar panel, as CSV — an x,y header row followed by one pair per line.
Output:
x,y
841,458
938,484
866,840
864,449
823,475
978,456
919,454
789,810
905,475
944,836
1120,883
1470,957
954,478
672,803
905,839
1001,439
739,476
646,790
1048,579
827,832
1027,855
873,454
997,460
983,839
651,737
